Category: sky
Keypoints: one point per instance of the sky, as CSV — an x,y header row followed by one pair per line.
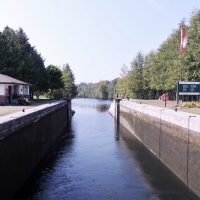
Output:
x,y
95,37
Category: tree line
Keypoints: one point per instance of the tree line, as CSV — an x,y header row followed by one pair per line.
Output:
x,y
22,61
101,90
158,71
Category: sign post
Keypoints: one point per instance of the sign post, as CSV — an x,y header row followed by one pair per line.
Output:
x,y
177,93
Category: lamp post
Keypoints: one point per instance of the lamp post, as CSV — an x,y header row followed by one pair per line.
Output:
x,y
160,136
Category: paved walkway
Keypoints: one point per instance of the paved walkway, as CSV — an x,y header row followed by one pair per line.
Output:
x,y
6,110
169,105
9,109
14,112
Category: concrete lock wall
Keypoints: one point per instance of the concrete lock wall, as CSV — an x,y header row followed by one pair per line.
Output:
x,y
173,137
24,139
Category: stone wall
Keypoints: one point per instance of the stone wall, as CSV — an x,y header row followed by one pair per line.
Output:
x,y
24,139
173,137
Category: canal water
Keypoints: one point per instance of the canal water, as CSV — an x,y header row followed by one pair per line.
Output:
x,y
97,159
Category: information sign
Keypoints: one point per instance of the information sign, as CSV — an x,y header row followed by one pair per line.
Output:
x,y
189,88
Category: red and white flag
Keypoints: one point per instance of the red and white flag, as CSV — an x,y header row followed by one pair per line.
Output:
x,y
183,39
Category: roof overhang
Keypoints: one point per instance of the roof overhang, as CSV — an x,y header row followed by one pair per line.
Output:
x,y
4,79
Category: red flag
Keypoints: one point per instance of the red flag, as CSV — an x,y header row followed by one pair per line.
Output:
x,y
183,39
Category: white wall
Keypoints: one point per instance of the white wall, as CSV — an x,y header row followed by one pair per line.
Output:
x,y
112,108
21,89
25,89
2,90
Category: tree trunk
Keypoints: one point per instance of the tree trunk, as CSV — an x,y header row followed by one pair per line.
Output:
x,y
147,94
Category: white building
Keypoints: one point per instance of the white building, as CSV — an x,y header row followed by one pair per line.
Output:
x,y
11,88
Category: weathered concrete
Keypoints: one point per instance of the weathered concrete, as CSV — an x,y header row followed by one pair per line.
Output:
x,y
173,137
24,139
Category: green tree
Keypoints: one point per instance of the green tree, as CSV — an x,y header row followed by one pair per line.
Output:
x,y
20,60
122,82
146,73
159,71
135,79
70,89
55,78
31,67
191,57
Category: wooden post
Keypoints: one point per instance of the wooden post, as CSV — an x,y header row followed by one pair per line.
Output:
x,y
117,109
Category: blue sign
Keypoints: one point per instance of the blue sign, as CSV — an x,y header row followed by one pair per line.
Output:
x,y
189,88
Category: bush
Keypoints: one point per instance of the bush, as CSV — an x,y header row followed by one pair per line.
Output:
x,y
190,104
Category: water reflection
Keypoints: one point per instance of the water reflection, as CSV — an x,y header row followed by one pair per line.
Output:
x,y
98,104
117,130
41,176
102,107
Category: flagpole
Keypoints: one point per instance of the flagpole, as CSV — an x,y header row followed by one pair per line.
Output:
x,y
181,61
181,67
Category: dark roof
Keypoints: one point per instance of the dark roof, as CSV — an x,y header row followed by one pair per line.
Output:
x,y
4,79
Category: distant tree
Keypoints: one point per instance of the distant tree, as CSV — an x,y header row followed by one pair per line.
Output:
x,y
122,82
112,88
102,90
